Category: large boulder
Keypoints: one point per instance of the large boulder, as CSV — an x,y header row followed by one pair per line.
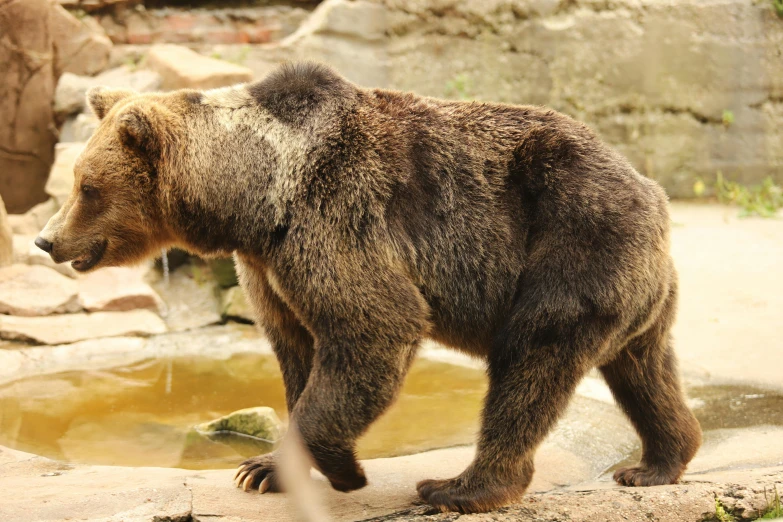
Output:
x,y
182,68
36,290
27,134
81,45
38,42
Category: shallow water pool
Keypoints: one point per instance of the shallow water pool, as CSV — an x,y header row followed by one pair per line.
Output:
x,y
142,414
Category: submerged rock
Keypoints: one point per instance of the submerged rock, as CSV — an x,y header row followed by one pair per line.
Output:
x,y
260,423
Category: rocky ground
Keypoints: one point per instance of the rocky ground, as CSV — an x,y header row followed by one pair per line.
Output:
x,y
726,336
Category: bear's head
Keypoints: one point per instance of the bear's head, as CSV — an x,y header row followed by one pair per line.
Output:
x,y
113,215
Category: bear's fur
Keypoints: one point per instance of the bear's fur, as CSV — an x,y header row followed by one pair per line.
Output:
x,y
364,220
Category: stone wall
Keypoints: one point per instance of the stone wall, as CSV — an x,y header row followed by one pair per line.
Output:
x,y
684,88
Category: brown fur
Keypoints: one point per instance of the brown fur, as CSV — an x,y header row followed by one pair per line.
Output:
x,y
364,220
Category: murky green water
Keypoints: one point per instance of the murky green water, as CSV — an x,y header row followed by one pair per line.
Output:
x,y
141,415
724,407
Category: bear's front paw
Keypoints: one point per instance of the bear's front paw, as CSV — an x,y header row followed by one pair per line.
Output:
x,y
467,496
258,473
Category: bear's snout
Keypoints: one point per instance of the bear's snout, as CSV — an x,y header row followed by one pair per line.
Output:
x,y
44,244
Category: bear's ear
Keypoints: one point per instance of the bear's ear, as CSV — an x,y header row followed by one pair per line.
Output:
x,y
148,127
102,99
136,130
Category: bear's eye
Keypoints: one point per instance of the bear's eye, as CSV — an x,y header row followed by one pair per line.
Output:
x,y
89,191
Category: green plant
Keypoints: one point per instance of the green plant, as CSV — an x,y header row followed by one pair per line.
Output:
x,y
778,4
728,117
241,58
774,508
459,87
763,200
132,62
721,515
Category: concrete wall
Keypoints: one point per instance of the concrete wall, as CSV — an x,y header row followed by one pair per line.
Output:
x,y
653,77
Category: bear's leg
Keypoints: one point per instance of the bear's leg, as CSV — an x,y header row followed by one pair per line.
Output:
x,y
533,371
292,343
349,387
294,348
645,383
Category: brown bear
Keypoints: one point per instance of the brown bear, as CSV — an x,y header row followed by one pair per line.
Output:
x,y
364,220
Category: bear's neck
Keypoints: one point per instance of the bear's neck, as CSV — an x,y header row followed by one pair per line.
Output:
x,y
230,195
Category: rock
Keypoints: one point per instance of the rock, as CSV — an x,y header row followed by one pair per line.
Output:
x,y
26,253
79,128
261,422
97,5
182,68
27,134
224,272
36,290
70,95
34,220
82,46
191,297
116,289
112,493
69,328
6,238
234,305
60,181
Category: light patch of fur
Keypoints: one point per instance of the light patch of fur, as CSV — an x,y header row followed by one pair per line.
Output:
x,y
291,148
274,284
234,97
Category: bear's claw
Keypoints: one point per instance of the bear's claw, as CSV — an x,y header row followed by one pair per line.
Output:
x,y
258,473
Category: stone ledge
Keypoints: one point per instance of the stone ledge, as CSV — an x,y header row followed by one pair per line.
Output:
x,y
38,489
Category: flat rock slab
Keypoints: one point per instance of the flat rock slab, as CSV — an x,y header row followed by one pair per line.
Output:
x,y
36,291
63,329
116,289
182,68
38,489
217,342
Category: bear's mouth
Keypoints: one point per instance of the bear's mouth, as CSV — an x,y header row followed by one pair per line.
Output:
x,y
92,258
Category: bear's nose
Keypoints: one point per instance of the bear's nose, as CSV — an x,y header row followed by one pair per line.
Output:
x,y
43,244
